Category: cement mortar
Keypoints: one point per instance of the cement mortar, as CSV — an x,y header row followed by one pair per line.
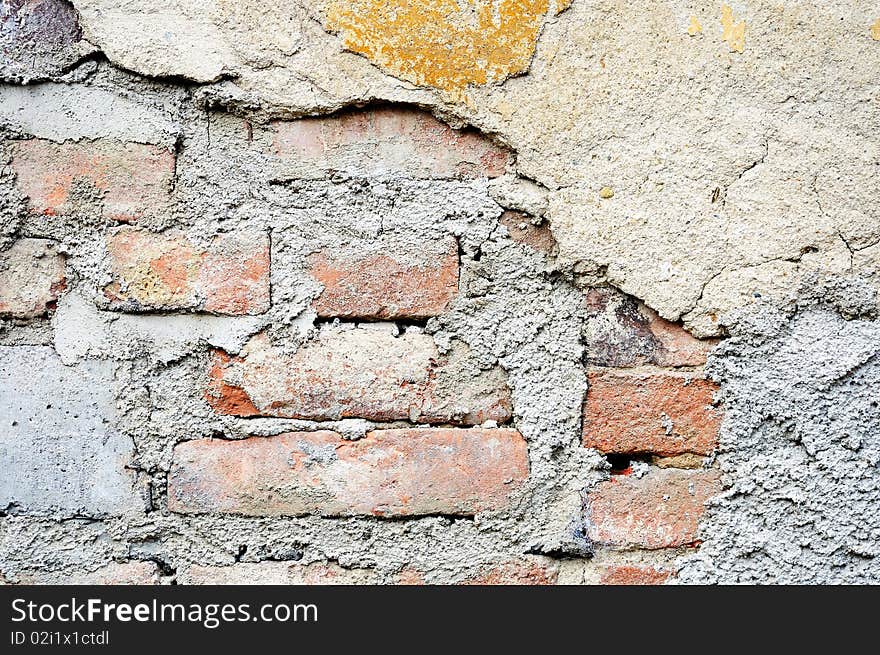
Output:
x,y
800,451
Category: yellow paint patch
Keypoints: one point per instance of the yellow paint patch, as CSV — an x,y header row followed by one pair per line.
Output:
x,y
732,32
875,30
446,44
695,27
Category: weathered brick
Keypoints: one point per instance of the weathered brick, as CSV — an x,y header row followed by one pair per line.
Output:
x,y
275,573
527,570
524,571
628,574
132,179
620,331
410,576
386,286
387,473
38,39
659,510
650,412
522,230
364,373
168,271
384,141
114,573
31,278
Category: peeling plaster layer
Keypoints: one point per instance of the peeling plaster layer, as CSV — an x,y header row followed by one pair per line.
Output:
x,y
722,159
480,42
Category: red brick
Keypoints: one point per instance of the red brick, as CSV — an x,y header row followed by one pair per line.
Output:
x,y
134,179
627,574
650,412
363,373
31,278
522,230
168,271
224,397
384,286
410,577
385,141
676,346
387,473
619,331
659,510
516,572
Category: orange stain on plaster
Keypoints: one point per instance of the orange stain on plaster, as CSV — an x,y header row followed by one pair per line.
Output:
x,y
732,32
446,44
875,30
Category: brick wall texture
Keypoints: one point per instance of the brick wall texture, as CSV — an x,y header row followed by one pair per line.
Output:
x,y
245,340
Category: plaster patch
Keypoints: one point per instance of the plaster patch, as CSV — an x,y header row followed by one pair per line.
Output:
x,y
443,43
733,33
58,448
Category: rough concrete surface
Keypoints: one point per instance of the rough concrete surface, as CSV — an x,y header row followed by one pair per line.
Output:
x,y
800,448
711,165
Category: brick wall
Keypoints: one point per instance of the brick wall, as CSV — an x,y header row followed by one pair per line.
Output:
x,y
328,350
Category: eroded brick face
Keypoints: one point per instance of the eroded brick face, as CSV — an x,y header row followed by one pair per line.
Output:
x,y
327,377
37,38
662,509
621,332
169,271
122,181
516,572
624,574
387,286
405,472
358,373
385,141
650,412
524,231
31,278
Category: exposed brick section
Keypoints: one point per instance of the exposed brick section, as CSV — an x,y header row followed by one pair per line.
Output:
x,y
385,141
171,272
387,473
365,373
522,230
31,278
526,571
132,180
650,412
385,286
224,397
114,573
628,574
276,573
659,510
37,38
685,461
620,331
